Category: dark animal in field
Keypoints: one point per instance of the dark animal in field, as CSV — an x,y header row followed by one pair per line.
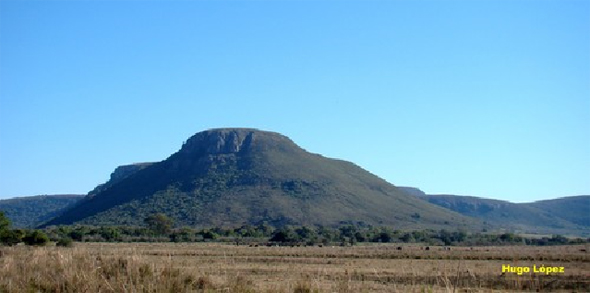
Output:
x,y
399,248
427,248
583,250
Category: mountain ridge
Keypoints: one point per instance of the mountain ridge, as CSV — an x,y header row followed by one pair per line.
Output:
x,y
233,176
569,214
30,211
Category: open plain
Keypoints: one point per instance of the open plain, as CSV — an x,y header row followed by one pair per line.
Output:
x,y
217,267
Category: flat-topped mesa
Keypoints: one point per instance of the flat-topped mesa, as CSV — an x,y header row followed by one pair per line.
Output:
x,y
227,140
236,176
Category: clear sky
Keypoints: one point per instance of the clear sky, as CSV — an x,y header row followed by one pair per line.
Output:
x,y
484,98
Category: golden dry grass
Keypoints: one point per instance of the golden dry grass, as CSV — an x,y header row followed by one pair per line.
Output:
x,y
168,267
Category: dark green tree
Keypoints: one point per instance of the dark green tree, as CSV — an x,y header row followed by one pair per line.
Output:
x,y
248,231
209,235
360,236
459,236
327,235
4,222
159,223
185,234
12,237
558,239
265,229
383,237
286,234
407,237
110,233
36,238
445,236
306,233
7,236
65,242
347,231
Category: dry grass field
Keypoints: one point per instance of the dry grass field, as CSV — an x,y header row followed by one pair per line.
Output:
x,y
215,267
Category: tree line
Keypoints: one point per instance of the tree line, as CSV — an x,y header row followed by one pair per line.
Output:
x,y
159,228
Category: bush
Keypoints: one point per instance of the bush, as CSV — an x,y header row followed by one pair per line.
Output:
x,y
284,235
36,238
65,242
11,237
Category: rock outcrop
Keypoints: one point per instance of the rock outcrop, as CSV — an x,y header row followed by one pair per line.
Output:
x,y
219,141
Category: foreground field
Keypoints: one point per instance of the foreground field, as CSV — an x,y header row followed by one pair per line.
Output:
x,y
166,267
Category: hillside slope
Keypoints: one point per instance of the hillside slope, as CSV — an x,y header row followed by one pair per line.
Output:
x,y
118,175
568,215
30,211
575,209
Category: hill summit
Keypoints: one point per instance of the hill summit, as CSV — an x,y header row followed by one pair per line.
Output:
x,y
236,176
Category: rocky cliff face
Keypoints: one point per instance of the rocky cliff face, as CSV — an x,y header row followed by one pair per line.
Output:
x,y
230,140
219,141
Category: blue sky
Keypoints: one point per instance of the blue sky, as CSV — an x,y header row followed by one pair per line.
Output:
x,y
484,98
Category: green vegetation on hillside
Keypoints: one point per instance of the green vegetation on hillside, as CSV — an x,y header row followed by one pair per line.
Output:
x,y
118,175
10,237
568,215
229,177
31,211
234,177
575,209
